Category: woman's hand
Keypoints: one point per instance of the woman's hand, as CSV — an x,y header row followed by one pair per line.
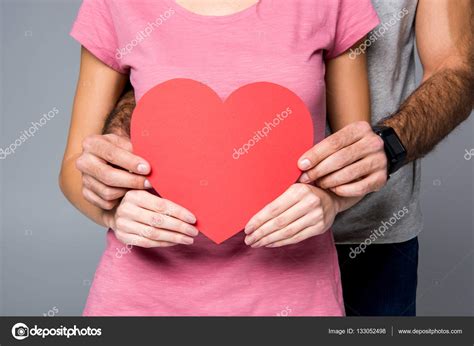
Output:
x,y
303,211
145,220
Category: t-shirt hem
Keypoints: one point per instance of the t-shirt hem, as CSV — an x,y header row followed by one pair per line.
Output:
x,y
393,240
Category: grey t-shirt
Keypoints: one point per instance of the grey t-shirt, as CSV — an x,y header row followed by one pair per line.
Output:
x,y
393,214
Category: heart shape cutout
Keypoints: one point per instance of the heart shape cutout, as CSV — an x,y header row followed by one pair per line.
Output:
x,y
222,160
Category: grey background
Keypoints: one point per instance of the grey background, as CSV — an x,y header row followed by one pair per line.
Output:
x,y
49,251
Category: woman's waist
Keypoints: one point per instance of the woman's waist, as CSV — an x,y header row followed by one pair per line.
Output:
x,y
232,252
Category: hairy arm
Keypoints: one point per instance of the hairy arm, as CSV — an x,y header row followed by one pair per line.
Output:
x,y
444,33
118,121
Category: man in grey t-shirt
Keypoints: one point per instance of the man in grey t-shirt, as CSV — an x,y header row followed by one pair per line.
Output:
x,y
377,238
378,279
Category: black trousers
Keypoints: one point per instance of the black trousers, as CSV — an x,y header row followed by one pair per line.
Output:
x,y
381,281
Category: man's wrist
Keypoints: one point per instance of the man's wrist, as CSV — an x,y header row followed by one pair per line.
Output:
x,y
393,146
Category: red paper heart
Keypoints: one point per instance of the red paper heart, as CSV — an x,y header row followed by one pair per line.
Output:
x,y
223,161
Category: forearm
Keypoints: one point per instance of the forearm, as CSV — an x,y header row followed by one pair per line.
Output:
x,y
70,182
98,89
440,104
347,90
444,40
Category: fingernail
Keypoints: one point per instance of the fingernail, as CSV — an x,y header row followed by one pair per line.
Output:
x,y
147,184
249,229
192,231
190,219
188,241
142,168
249,240
305,164
304,178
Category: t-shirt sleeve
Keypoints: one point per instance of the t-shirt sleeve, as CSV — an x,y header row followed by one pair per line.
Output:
x,y
355,18
95,30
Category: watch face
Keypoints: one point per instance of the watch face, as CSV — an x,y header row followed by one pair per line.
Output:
x,y
395,144
396,152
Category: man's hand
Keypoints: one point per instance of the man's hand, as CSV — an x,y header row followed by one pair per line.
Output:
x,y
103,184
351,162
301,212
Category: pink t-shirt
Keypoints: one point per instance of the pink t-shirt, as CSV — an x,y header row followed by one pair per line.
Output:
x,y
279,41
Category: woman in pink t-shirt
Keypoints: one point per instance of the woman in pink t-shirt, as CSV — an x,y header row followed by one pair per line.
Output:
x,y
285,262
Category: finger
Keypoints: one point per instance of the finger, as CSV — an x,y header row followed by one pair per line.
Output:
x,y
121,141
108,149
371,183
279,222
333,143
160,221
103,191
343,158
299,237
108,175
289,231
285,201
94,199
136,240
351,173
154,203
152,233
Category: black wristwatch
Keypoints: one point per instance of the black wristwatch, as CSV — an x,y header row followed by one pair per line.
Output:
x,y
394,148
